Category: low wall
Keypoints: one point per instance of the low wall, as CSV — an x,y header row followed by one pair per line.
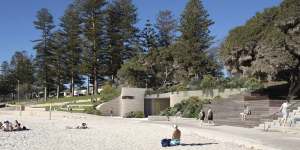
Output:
x,y
178,97
107,107
173,119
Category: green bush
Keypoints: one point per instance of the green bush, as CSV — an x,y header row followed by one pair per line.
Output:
x,y
253,84
236,82
135,114
108,92
189,108
92,110
208,82
47,108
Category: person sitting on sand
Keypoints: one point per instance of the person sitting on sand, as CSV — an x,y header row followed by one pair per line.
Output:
x,y
176,136
83,126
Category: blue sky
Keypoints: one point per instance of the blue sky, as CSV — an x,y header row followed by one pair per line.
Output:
x,y
17,31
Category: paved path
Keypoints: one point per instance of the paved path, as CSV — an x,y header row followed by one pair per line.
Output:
x,y
243,136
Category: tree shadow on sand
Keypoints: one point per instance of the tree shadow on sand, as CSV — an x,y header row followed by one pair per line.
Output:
x,y
197,144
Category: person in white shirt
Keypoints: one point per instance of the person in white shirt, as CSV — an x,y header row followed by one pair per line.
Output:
x,y
285,113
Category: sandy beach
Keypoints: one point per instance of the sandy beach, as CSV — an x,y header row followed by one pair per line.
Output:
x,y
104,133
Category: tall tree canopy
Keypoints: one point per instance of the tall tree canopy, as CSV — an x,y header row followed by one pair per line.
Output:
x,y
44,23
70,24
168,62
189,51
7,85
121,33
59,61
22,70
267,46
149,37
166,25
92,15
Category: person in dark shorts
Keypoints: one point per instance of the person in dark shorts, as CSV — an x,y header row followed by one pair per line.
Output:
x,y
210,116
202,117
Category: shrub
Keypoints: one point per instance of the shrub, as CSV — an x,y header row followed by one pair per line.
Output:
x,y
92,110
208,82
253,84
236,82
189,108
135,114
108,92
181,87
47,108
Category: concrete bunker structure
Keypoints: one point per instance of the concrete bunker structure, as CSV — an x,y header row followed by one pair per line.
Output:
x,y
136,100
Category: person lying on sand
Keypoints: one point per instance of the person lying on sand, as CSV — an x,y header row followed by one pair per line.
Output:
x,y
82,126
18,127
7,126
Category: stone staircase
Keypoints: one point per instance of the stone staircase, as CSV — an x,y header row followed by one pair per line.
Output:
x,y
293,121
227,111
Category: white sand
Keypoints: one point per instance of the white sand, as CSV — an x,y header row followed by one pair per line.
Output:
x,y
104,133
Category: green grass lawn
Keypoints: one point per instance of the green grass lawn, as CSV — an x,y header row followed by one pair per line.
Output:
x,y
68,99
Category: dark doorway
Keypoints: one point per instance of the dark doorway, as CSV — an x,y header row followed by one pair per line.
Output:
x,y
155,106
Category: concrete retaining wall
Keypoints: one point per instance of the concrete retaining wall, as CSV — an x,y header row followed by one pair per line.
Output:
x,y
132,99
178,97
113,105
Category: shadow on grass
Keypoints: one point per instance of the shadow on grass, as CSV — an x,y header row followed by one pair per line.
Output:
x,y
197,144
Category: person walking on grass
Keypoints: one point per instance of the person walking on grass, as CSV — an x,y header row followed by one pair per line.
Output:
x,y
210,116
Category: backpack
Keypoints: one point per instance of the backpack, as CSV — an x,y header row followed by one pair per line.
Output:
x,y
165,142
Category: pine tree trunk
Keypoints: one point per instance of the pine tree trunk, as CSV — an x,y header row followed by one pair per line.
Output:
x,y
72,86
95,82
96,60
45,94
88,85
57,92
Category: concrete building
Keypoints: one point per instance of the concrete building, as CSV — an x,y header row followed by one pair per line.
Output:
x,y
135,99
